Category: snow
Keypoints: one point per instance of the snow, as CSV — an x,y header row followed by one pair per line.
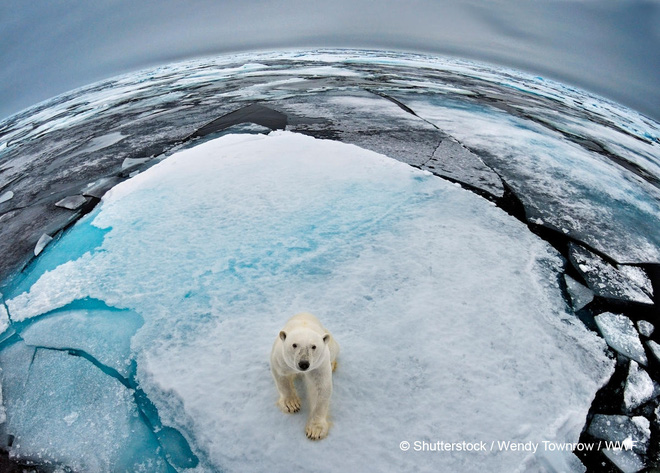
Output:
x,y
217,245
620,334
639,387
626,283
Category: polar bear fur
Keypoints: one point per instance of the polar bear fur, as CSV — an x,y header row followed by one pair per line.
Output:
x,y
304,348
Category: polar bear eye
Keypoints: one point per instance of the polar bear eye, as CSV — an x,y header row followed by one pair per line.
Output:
x,y
294,345
313,347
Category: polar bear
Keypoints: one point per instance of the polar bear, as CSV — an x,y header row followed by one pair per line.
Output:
x,y
304,348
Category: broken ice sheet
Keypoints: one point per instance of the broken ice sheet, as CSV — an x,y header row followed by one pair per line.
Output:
x,y
620,334
102,332
63,410
451,159
626,283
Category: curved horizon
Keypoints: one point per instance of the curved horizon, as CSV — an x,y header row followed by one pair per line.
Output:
x,y
612,50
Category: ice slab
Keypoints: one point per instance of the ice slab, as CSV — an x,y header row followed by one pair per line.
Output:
x,y
63,410
4,317
130,162
617,428
6,196
639,387
655,349
580,295
645,328
626,283
385,255
72,202
451,159
628,437
101,332
620,334
44,240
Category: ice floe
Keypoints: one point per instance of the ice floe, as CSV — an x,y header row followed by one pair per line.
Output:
x,y
217,245
620,334
639,387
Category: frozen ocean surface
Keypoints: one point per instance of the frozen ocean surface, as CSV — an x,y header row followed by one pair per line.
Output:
x,y
201,259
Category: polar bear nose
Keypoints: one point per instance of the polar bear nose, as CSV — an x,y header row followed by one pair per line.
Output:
x,y
303,365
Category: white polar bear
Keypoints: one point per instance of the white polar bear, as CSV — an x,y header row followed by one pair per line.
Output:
x,y
305,348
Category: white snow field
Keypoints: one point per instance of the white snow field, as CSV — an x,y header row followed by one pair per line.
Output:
x,y
448,311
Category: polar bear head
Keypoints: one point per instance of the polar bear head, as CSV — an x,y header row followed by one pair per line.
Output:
x,y
304,350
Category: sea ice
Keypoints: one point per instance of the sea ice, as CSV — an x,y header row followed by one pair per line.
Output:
x,y
616,428
6,196
103,333
639,387
645,328
568,186
4,317
63,410
655,349
620,334
579,294
217,245
72,202
451,159
626,283
44,240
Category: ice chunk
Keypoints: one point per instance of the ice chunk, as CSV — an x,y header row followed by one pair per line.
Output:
x,y
627,461
102,332
624,283
384,255
4,316
655,349
645,328
44,240
61,409
620,334
639,387
616,428
72,202
6,196
130,162
579,294
99,188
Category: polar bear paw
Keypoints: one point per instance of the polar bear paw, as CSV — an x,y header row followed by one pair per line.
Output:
x,y
289,405
317,429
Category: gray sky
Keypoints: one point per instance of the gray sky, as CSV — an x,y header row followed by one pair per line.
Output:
x,y
611,47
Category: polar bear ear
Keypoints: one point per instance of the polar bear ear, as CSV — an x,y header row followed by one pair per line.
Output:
x,y
326,338
283,335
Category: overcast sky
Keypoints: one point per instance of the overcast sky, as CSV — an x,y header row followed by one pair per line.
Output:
x,y
611,47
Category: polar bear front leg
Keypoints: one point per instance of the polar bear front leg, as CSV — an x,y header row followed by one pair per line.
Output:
x,y
319,391
289,402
